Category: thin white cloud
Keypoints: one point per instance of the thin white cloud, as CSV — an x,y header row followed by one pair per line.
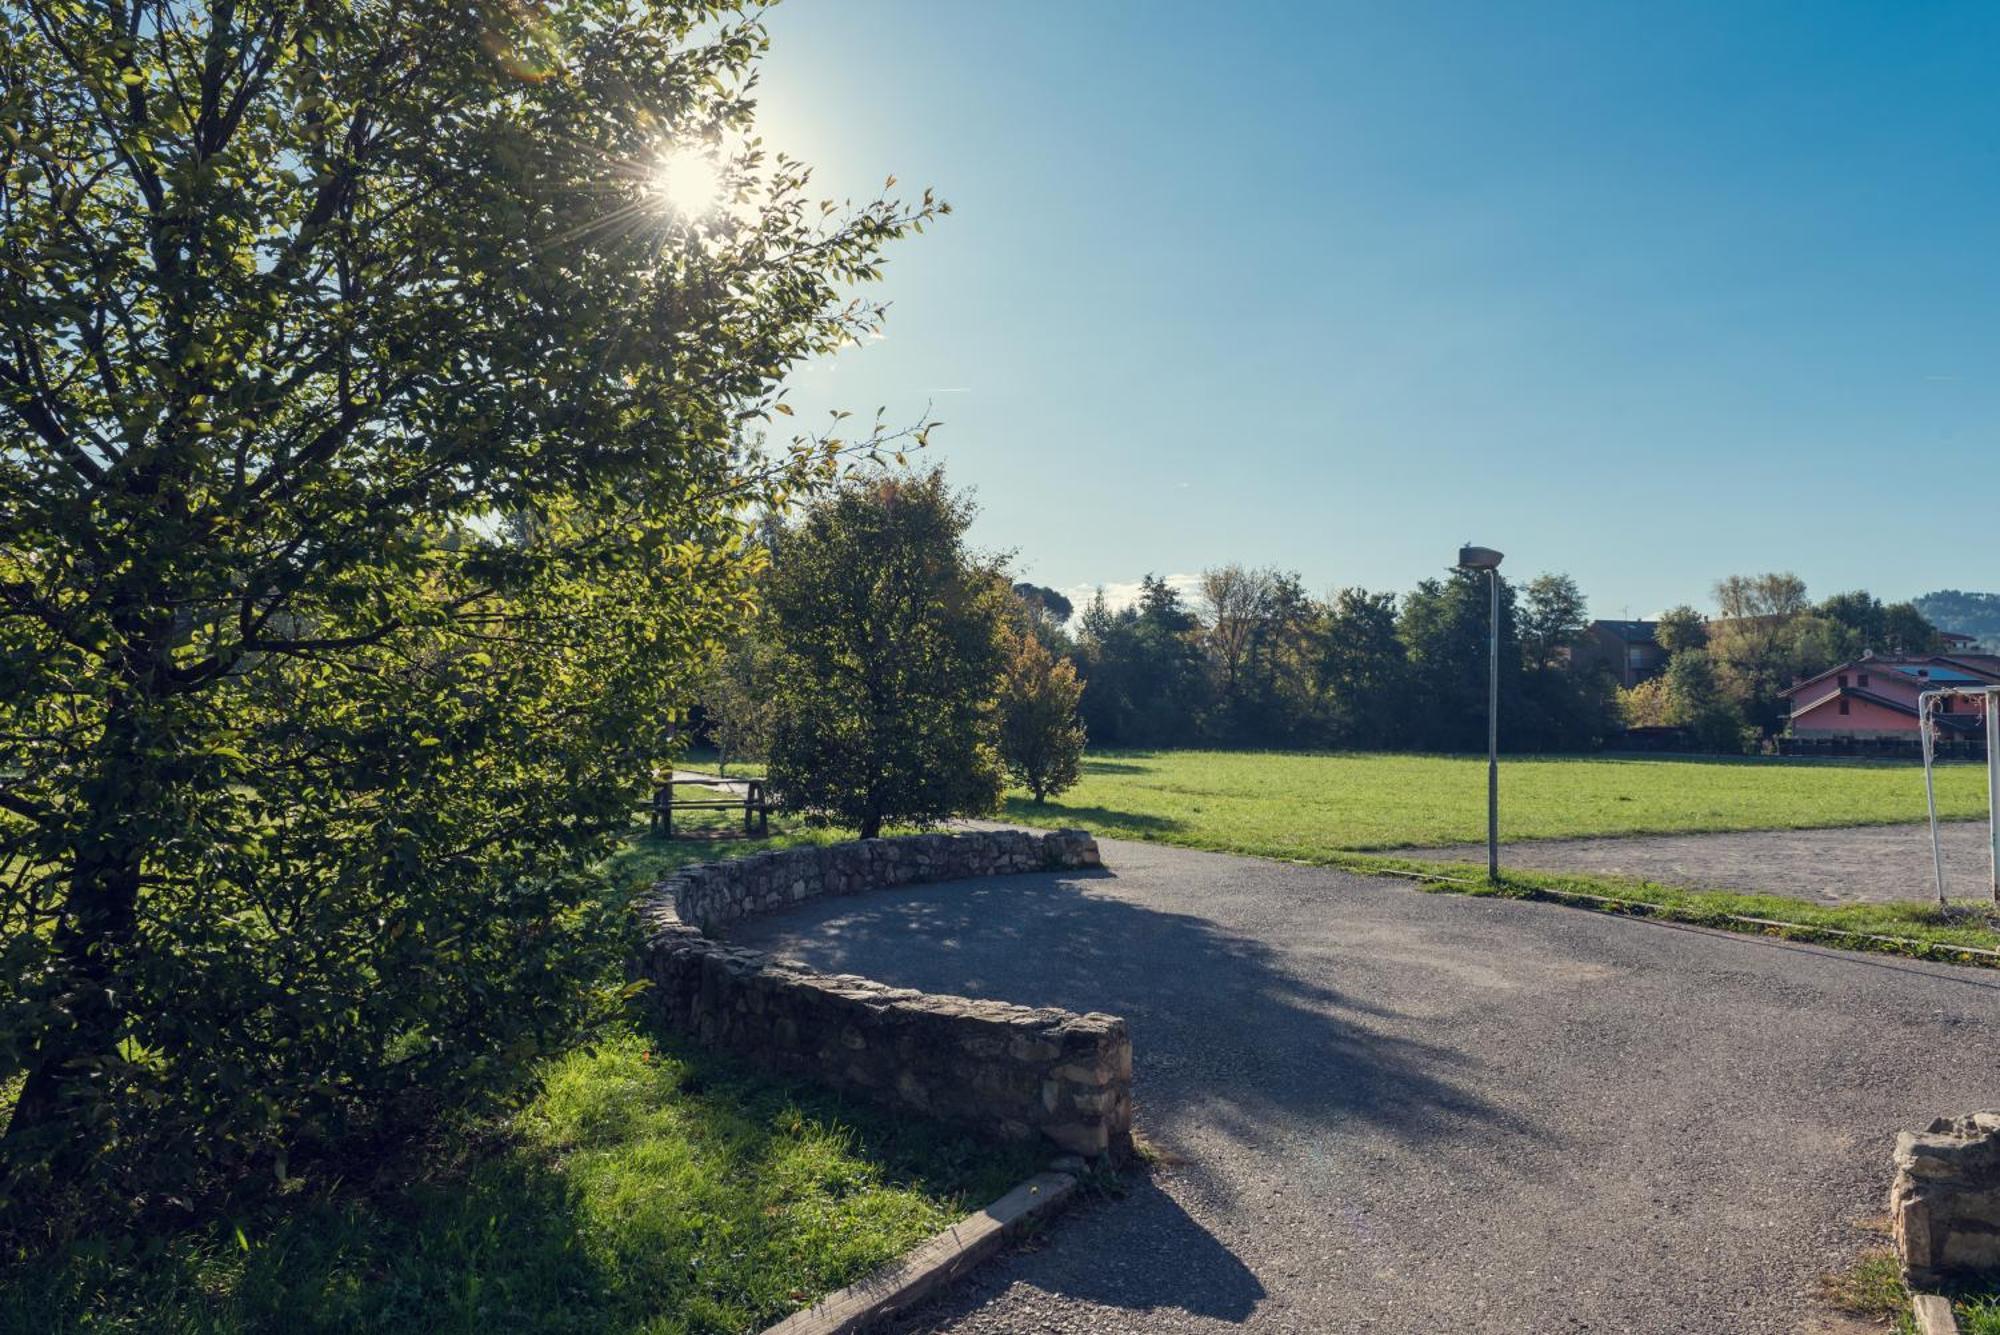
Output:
x,y
1121,594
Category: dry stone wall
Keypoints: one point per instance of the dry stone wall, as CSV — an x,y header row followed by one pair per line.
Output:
x,y
1013,1071
1945,1203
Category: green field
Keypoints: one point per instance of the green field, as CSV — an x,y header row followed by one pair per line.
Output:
x,y
1307,806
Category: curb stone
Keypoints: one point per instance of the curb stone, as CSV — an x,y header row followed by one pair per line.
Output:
x,y
1933,1315
932,1265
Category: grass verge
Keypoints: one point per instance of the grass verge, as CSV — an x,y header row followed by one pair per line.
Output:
x,y
1873,1289
1918,929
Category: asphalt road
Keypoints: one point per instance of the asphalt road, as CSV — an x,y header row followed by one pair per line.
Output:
x,y
1401,1111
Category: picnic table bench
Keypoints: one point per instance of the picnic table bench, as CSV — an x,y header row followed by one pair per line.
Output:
x,y
730,794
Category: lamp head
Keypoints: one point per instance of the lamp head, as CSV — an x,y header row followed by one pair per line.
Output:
x,y
1478,558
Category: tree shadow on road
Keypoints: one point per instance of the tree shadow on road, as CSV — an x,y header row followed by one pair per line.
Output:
x,y
1225,1032
1143,1254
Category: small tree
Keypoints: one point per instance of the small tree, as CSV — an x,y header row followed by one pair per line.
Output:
x,y
889,651
1041,735
736,701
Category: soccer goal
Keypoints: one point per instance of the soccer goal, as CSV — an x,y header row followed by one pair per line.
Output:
x,y
1929,704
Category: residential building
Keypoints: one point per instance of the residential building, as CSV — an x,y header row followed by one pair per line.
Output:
x,y
1627,649
1877,697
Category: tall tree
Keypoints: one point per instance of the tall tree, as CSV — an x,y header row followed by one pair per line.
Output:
x,y
1363,670
302,748
1144,678
1681,627
1445,627
890,643
1767,636
1553,618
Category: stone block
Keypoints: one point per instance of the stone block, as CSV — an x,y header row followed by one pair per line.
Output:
x,y
1944,1204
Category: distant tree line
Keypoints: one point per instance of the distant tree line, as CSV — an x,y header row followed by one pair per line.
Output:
x,y
1246,658
1254,660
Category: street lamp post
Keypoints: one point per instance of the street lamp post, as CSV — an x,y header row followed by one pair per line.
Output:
x,y
1485,558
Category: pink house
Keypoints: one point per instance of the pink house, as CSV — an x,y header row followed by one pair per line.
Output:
x,y
1877,697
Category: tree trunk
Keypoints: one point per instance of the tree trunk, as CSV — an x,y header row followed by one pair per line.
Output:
x,y
871,825
92,940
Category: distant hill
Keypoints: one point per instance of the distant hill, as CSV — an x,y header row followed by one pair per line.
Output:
x,y
1967,613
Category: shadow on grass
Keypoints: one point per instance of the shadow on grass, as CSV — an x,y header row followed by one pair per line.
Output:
x,y
658,1189
1114,767
1050,815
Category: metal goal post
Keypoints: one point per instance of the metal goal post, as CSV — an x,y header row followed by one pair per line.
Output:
x,y
1927,710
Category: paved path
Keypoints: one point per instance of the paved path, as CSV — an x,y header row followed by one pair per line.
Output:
x,y
1873,862
1410,1112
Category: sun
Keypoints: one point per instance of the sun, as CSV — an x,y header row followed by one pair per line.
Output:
x,y
686,180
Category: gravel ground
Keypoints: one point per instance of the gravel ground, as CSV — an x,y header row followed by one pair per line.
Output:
x,y
1874,862
1410,1112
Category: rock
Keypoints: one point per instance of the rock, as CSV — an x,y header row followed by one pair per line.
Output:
x,y
1945,1201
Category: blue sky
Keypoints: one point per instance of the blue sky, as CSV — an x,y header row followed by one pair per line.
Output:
x,y
1650,294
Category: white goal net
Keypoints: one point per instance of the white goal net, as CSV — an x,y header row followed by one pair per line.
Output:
x,y
1929,705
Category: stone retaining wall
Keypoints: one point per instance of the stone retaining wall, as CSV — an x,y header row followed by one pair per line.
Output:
x,y
1009,1070
1945,1202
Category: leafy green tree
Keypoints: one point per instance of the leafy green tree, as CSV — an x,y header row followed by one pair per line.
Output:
x,y
1444,627
1145,682
370,473
1046,601
1696,701
1681,628
1041,732
1045,614
1768,636
1906,630
1687,695
1553,618
889,639
1858,617
1362,670
1257,637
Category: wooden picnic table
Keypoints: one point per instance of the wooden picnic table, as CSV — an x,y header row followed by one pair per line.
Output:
x,y
733,793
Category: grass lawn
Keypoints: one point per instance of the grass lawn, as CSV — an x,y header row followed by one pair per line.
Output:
x,y
643,1190
647,1186
1303,806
